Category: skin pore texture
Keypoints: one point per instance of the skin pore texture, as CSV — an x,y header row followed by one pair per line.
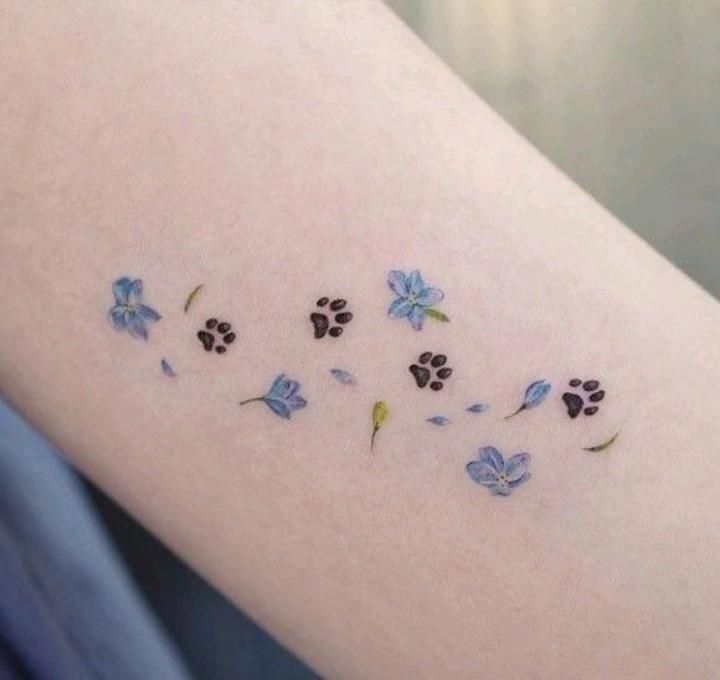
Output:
x,y
282,153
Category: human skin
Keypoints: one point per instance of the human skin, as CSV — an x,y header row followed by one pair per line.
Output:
x,y
278,152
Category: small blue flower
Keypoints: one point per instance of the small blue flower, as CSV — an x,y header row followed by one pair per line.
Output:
x,y
534,396
414,300
129,313
500,477
343,377
282,398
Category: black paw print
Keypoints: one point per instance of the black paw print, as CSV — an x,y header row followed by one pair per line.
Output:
x,y
575,402
218,335
322,322
423,375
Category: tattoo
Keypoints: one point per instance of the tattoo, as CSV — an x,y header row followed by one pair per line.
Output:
x,y
380,413
282,398
431,366
534,396
129,313
343,377
414,300
477,408
326,324
499,476
575,402
441,421
217,334
192,297
167,369
604,445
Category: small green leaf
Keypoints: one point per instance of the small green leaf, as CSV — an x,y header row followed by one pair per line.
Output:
x,y
436,314
191,298
604,445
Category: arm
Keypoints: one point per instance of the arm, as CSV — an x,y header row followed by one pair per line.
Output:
x,y
278,153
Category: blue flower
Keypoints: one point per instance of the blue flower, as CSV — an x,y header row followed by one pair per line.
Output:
x,y
500,477
282,398
129,313
414,300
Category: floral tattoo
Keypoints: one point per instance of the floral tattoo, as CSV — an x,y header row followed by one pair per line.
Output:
x,y
282,398
129,313
415,301
499,476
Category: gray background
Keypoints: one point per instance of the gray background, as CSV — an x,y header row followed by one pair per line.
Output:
x,y
623,95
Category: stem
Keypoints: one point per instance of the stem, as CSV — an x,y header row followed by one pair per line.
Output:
x,y
247,401
522,408
372,438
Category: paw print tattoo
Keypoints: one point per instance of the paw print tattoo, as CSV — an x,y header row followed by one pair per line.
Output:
x,y
217,335
431,369
576,403
332,322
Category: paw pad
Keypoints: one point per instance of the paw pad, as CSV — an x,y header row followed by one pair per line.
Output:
x,y
431,369
575,401
332,322
217,335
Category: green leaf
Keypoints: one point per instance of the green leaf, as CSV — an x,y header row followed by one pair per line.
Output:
x,y
435,314
604,445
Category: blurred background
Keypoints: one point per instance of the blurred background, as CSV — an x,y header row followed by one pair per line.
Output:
x,y
622,95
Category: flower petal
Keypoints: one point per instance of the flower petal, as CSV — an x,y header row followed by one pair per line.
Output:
x,y
398,283
278,407
429,297
415,283
489,455
296,402
481,473
516,466
520,481
136,290
501,490
277,386
400,308
121,290
117,317
147,313
417,317
136,325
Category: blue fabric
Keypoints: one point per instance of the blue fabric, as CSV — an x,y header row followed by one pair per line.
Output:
x,y
68,610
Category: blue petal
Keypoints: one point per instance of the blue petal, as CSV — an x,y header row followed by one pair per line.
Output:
x,y
278,407
136,325
415,283
121,290
400,308
417,317
439,420
481,473
296,402
343,376
398,283
489,455
147,313
536,393
477,408
517,466
136,289
278,387
429,297
117,317
167,369
518,482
